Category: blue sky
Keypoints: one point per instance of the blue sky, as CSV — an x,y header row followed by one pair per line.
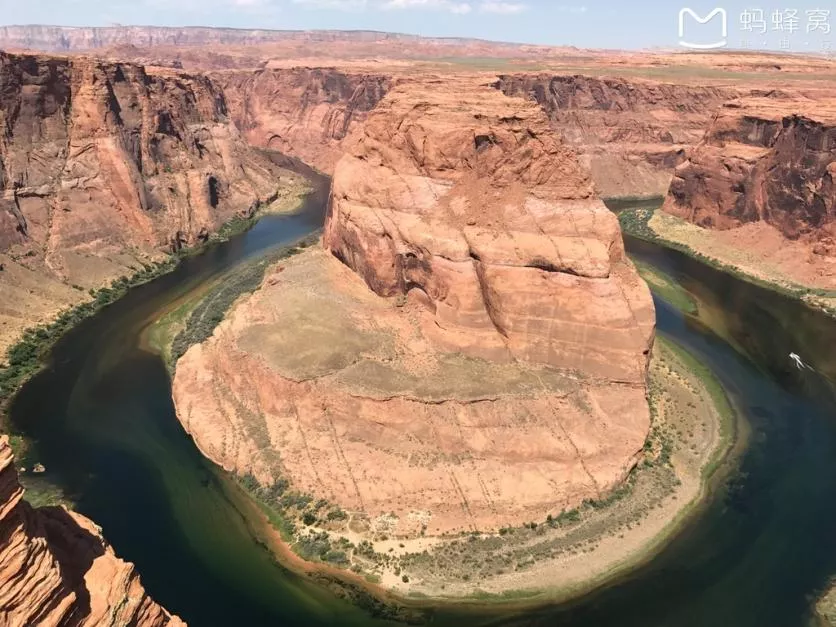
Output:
x,y
583,23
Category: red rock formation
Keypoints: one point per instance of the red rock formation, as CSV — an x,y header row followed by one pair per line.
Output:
x,y
99,155
468,201
303,112
55,568
102,167
763,160
505,379
631,133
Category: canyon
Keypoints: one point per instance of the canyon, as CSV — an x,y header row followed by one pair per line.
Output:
x,y
107,168
758,163
469,347
631,133
304,112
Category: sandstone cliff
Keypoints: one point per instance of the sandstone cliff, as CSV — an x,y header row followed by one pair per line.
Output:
x,y
631,133
55,568
763,160
468,201
104,166
495,371
304,112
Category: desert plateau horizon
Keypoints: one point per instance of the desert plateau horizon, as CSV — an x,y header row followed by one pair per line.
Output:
x,y
346,326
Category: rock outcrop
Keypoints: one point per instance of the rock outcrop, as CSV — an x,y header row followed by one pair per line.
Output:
x,y
55,568
104,166
764,161
467,201
631,133
478,358
302,112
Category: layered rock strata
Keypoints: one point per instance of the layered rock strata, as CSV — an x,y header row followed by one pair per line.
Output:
x,y
104,166
468,202
55,568
763,161
478,358
302,112
631,133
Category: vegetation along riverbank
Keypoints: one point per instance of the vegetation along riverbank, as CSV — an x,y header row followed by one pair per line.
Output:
x,y
651,224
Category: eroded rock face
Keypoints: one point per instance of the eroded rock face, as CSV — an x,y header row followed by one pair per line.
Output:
x,y
631,133
767,161
100,155
55,568
104,166
303,112
467,201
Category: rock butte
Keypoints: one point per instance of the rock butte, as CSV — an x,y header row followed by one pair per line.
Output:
x,y
56,569
510,381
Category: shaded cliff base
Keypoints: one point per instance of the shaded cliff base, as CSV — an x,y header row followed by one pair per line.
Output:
x,y
56,569
559,553
38,297
755,252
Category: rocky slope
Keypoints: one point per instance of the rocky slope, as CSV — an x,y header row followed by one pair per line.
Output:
x,y
70,38
103,166
766,161
55,568
301,111
631,133
479,357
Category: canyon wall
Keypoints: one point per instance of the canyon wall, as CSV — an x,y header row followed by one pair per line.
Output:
x,y
55,568
468,351
301,111
631,133
763,161
105,166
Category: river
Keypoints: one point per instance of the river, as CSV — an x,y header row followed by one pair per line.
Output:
x,y
104,425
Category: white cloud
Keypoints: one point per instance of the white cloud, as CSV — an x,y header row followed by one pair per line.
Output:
x,y
572,9
502,8
459,8
340,5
